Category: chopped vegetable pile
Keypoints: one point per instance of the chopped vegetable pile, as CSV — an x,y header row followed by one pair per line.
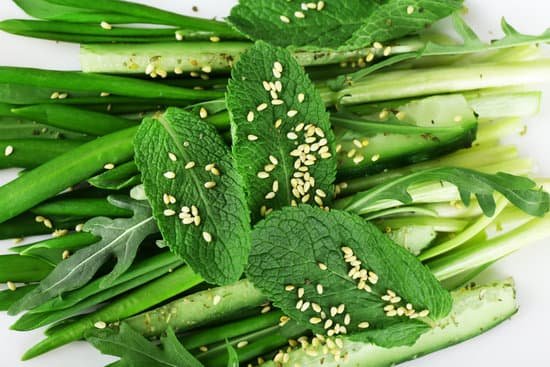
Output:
x,y
255,191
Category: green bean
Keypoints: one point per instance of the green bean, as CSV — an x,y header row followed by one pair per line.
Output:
x,y
216,334
74,119
29,153
138,300
26,225
197,310
80,300
53,249
77,38
23,269
64,171
64,81
122,176
152,15
9,297
84,207
15,128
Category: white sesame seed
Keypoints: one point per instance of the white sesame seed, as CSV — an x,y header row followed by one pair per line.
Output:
x,y
11,286
278,66
217,298
206,69
179,36
265,309
109,166
400,115
214,39
315,320
320,5
363,325
169,212
203,113
358,159
347,319
278,86
170,175
284,19
275,186
63,95
305,306
105,25
375,157
261,107
250,116
277,102
341,308
79,227
301,97
273,160
387,51
299,15
377,45
100,325
266,85
54,95
209,184
289,288
320,288
292,113
278,123
263,175
252,137
300,292
8,151
277,74
242,344
424,313
357,143
270,195
190,165
172,157
410,9
104,94
292,136
207,236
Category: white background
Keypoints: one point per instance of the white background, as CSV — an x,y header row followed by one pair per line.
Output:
x,y
524,339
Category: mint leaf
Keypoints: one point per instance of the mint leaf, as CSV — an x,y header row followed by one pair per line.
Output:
x,y
520,191
196,193
282,141
285,23
339,275
136,351
120,238
397,18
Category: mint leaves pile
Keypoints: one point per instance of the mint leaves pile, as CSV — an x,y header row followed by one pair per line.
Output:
x,y
300,184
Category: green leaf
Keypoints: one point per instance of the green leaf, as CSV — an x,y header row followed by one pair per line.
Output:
x,y
330,27
285,152
120,238
397,18
136,351
233,356
304,259
196,194
520,191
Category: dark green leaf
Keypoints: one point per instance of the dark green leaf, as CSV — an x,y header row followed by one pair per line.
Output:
x,y
397,18
207,227
120,238
136,351
520,191
299,250
286,162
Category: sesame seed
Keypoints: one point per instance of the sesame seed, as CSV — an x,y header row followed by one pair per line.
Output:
x,y
206,69
375,157
179,36
63,95
214,39
273,160
369,57
292,136
278,123
203,348
363,325
300,292
358,159
270,195
292,113
275,186
424,313
210,184
54,95
458,118
284,19
387,51
266,85
322,266
301,97
100,325
48,223
320,5
169,212
315,320
410,9
207,237
104,94
299,15
105,25
347,319
242,344
401,115
278,86
377,45
357,143
178,70
277,102
11,286
172,157
203,113
109,166
190,165
265,309
320,288
289,288
305,306
8,151
252,137
277,74
170,175
215,171
261,107
278,66
217,298
79,227
269,167
341,308
250,116
299,304
263,175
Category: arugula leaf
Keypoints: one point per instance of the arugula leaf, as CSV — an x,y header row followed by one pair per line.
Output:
x,y
120,238
196,193
397,18
336,24
471,43
280,22
340,275
520,191
282,141
136,351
